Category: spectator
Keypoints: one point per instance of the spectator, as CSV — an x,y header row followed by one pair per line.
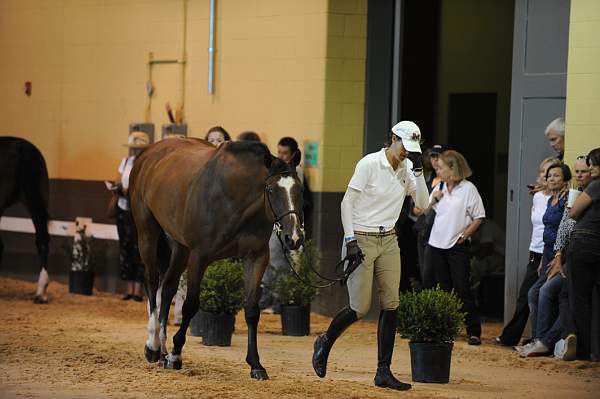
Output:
x,y
514,328
555,134
132,269
459,212
423,225
554,296
248,136
584,255
558,175
217,135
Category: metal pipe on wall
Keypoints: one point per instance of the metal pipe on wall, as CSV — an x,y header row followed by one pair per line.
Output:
x,y
211,48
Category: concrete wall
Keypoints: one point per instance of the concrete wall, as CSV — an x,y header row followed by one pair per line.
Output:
x,y
583,80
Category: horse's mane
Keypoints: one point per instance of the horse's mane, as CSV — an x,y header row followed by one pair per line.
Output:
x,y
253,147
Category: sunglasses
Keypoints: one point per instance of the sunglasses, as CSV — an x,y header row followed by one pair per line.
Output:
x,y
585,158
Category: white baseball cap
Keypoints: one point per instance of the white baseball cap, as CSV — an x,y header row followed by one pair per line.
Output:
x,y
410,134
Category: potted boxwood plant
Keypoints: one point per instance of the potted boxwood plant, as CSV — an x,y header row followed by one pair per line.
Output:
x,y
430,319
221,298
294,295
83,254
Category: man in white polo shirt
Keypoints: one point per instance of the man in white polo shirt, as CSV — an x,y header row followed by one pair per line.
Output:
x,y
370,208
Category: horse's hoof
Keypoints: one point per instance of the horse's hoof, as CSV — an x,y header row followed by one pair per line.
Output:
x,y
151,356
173,364
39,300
259,374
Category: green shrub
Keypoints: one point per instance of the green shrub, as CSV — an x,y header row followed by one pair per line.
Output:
x,y
431,315
222,288
287,287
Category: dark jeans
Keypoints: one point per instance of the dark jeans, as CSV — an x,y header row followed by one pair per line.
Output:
x,y
132,268
534,294
548,324
514,329
452,271
584,268
567,324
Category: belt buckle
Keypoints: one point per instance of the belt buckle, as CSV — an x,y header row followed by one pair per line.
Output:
x,y
381,230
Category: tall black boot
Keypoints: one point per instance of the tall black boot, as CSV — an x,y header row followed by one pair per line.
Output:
x,y
386,336
324,342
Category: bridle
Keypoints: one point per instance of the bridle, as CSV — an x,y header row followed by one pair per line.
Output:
x,y
278,229
269,192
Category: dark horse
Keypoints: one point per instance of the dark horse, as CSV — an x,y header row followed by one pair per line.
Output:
x,y
207,204
24,179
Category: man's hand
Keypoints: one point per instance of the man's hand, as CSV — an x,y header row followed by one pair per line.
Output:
x,y
353,252
437,196
416,159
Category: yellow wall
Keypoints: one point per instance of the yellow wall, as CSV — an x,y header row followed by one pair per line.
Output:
x,y
281,67
583,80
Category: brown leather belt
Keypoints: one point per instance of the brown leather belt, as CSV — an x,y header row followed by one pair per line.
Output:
x,y
375,234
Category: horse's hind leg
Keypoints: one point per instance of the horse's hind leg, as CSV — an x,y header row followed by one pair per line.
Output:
x,y
196,270
148,232
168,288
254,270
39,217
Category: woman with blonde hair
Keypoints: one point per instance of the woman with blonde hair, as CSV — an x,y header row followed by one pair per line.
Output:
x,y
459,212
512,332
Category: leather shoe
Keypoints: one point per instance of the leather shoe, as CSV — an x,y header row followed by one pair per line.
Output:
x,y
385,379
320,355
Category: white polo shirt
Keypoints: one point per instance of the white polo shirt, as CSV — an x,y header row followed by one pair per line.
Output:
x,y
454,213
382,192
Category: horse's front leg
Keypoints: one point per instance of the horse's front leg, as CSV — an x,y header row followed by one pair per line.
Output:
x,y
254,270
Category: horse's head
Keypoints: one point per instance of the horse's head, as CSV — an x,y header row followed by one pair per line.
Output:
x,y
283,190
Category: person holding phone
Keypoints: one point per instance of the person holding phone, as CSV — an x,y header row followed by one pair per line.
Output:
x,y
512,332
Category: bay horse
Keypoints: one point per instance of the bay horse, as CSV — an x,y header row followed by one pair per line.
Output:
x,y
24,179
193,204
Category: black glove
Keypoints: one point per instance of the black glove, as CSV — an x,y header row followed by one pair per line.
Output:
x,y
354,256
417,160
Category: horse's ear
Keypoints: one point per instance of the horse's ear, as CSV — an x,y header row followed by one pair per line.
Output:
x,y
269,160
295,161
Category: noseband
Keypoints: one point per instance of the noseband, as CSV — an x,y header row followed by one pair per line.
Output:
x,y
278,218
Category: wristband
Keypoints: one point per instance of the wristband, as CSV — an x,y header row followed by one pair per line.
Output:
x,y
349,238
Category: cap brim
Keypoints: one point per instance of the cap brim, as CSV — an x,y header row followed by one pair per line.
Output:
x,y
411,145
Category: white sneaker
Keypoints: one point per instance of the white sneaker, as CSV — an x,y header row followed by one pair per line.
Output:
x,y
559,349
537,349
520,348
570,348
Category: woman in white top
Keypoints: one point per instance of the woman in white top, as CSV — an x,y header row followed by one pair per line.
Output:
x,y
514,329
459,212
132,269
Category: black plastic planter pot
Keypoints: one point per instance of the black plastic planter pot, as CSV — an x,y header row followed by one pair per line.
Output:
x,y
430,362
217,329
197,323
81,282
295,320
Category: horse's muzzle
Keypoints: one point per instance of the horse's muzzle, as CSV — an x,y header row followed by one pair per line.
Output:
x,y
293,241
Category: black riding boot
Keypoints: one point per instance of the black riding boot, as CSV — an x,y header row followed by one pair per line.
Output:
x,y
386,336
324,342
